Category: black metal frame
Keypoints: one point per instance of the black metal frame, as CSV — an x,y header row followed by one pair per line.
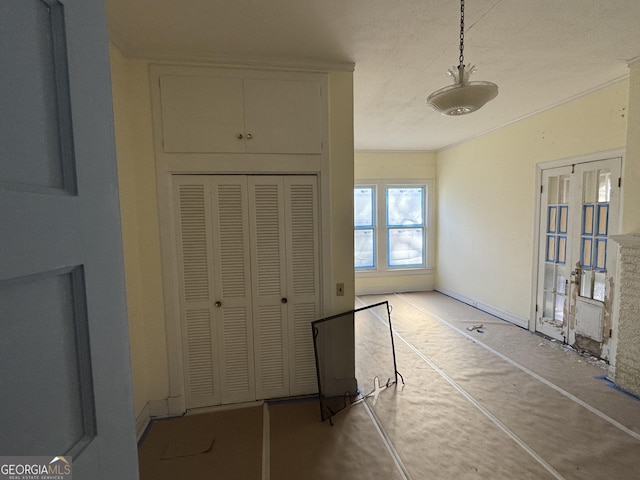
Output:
x,y
348,397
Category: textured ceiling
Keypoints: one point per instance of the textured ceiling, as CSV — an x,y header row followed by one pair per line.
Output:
x,y
540,53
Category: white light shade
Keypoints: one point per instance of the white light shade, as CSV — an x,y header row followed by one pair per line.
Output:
x,y
462,98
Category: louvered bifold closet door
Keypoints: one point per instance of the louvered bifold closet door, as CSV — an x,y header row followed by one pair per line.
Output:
x,y
268,267
195,272
303,279
233,314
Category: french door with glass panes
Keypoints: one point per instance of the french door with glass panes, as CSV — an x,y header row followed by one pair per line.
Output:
x,y
579,211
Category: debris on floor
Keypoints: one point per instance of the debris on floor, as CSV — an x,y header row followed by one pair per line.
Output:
x,y
476,326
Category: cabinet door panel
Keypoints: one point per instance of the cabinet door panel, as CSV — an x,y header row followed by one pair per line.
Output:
x,y
283,116
201,114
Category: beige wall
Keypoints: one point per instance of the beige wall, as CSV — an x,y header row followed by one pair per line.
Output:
x,y
631,167
138,203
397,166
486,195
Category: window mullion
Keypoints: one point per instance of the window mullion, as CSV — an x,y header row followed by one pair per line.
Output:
x,y
381,231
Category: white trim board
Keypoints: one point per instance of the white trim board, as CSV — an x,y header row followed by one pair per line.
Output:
x,y
152,409
490,309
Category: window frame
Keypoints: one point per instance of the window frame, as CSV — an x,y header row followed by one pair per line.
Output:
x,y
374,226
381,229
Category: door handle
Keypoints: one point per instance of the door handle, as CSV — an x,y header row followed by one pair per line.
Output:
x,y
218,304
575,276
284,300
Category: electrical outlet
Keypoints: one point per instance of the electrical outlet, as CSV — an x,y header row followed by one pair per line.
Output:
x,y
340,289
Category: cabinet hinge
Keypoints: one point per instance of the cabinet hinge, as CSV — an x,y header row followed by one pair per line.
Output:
x,y
610,333
619,182
541,188
536,308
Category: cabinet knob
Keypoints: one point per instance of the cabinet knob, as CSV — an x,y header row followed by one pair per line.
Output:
x,y
239,136
218,304
249,136
284,300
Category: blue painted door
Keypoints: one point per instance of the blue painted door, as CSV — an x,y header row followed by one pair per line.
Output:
x,y
65,376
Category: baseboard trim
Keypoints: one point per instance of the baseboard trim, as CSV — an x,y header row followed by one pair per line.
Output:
x,y
142,422
152,409
495,311
382,290
223,408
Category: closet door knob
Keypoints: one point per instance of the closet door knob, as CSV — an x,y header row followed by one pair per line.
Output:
x,y
218,304
249,136
239,136
284,300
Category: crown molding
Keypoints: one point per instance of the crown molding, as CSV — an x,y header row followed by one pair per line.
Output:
x,y
178,57
633,62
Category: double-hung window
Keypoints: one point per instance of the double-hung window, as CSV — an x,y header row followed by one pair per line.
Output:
x,y
391,226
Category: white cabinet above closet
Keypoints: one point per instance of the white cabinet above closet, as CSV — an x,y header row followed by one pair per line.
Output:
x,y
213,112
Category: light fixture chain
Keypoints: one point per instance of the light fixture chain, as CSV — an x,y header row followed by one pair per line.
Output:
x,y
463,96
461,66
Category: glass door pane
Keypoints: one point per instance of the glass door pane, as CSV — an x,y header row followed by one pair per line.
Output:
x,y
556,229
596,197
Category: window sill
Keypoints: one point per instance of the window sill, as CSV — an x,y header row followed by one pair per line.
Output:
x,y
396,272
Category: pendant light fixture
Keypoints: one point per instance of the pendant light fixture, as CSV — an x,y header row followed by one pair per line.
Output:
x,y
463,96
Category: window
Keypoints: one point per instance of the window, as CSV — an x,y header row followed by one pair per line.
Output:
x,y
390,223
364,219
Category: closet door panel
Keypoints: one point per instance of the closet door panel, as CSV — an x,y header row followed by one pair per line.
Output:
x,y
249,286
303,277
195,267
266,197
233,287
